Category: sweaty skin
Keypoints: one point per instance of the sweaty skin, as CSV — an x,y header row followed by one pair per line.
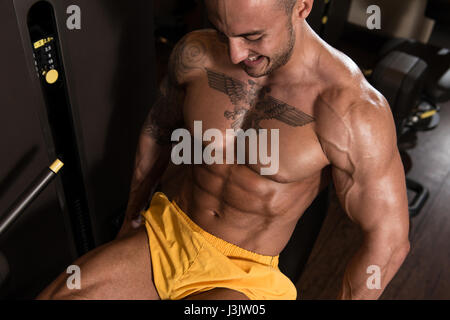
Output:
x,y
333,126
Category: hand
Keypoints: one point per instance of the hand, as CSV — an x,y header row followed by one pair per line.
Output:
x,y
129,226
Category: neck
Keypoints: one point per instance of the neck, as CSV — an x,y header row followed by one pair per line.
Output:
x,y
303,57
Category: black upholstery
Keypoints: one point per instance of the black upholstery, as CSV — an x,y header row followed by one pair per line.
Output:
x,y
442,89
437,87
295,255
438,10
4,273
328,18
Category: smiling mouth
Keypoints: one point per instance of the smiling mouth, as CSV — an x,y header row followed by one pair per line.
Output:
x,y
253,61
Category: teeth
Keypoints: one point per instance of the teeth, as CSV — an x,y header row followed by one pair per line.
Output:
x,y
252,59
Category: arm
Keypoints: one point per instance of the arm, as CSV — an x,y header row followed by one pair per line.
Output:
x,y
370,183
154,147
153,150
165,116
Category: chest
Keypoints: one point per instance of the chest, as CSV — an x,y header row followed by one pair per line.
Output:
x,y
246,125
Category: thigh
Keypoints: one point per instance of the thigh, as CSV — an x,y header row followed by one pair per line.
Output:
x,y
120,269
218,294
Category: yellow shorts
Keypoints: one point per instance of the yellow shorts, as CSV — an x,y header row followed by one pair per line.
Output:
x,y
187,260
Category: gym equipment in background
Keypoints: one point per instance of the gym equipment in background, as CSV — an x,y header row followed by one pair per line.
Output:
x,y
33,191
4,270
295,255
21,204
401,77
413,76
80,95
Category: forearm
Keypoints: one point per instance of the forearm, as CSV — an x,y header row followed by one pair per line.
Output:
x,y
154,147
141,189
372,268
151,161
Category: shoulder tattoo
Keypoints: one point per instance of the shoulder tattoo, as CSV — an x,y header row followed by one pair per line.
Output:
x,y
166,114
189,54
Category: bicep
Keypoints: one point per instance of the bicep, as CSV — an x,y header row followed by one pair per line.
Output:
x,y
368,172
376,196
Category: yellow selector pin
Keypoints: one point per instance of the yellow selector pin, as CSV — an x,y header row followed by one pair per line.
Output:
x,y
51,76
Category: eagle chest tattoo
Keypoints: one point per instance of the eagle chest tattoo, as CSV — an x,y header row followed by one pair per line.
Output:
x,y
252,104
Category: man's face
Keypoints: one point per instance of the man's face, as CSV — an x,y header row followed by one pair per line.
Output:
x,y
260,37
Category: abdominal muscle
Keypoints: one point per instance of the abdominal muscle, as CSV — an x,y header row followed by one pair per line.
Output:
x,y
236,204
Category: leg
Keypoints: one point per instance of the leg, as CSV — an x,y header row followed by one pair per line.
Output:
x,y
120,269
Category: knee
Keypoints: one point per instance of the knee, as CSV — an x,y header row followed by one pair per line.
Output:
x,y
72,284
59,290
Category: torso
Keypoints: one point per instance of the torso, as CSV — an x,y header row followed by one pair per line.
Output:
x,y
235,201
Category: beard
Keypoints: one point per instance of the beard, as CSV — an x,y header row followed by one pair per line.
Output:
x,y
278,60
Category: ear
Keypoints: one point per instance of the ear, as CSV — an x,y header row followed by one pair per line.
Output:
x,y
303,8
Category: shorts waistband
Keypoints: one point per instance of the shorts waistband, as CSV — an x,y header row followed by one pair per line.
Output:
x,y
226,248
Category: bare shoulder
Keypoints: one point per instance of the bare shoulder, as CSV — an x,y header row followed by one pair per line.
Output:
x,y
196,51
354,104
354,120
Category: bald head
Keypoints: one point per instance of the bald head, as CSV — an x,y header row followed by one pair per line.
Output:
x,y
286,5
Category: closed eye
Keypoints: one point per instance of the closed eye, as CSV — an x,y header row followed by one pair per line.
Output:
x,y
253,38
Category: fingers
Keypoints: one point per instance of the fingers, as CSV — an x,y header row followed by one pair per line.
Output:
x,y
129,226
136,223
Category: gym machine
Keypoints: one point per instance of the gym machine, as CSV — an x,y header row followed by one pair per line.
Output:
x,y
21,204
80,95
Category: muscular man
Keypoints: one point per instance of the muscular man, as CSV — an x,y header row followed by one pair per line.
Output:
x,y
220,234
